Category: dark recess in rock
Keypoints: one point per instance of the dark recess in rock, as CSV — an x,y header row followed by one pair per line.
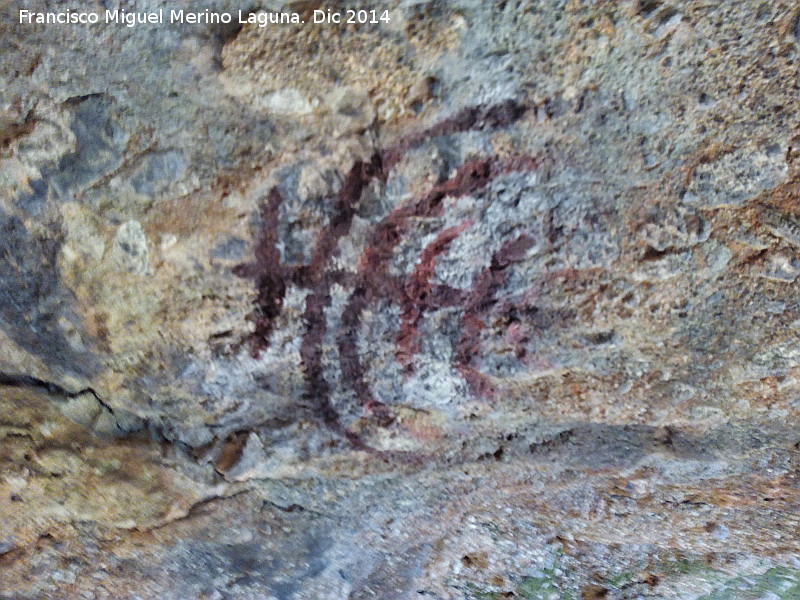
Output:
x,y
31,297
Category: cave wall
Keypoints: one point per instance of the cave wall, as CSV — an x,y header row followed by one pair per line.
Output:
x,y
485,300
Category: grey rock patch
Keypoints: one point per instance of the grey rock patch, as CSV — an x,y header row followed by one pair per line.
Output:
x,y
287,101
231,248
736,177
158,172
130,251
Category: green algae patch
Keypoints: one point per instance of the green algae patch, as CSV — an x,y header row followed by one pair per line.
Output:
x,y
777,583
543,588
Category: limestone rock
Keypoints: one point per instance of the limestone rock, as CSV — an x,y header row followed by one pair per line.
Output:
x,y
479,300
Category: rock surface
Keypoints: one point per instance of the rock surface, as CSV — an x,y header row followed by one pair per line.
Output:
x,y
491,300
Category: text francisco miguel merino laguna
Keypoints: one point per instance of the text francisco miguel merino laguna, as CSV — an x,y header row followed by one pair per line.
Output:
x,y
131,19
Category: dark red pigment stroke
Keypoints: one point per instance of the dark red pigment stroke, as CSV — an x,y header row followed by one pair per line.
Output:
x,y
374,282
478,305
471,118
418,295
268,273
271,277
317,390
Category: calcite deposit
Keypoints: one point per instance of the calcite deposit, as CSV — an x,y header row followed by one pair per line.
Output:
x,y
484,300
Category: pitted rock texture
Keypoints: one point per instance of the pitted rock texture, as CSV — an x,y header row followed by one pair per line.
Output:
x,y
494,300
